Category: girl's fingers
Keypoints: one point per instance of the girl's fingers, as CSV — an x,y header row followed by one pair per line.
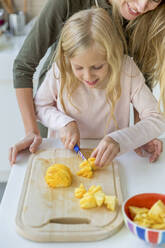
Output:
x,y
108,156
99,157
73,143
104,158
94,153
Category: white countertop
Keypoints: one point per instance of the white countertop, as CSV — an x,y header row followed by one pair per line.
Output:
x,y
137,176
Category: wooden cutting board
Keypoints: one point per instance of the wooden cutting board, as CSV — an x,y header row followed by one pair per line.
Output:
x,y
46,214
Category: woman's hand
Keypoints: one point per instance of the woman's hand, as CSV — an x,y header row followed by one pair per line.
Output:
x,y
106,151
31,141
153,148
70,135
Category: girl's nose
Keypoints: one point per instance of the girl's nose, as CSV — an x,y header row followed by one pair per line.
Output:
x,y
141,5
87,75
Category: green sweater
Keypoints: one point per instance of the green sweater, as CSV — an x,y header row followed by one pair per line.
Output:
x,y
45,34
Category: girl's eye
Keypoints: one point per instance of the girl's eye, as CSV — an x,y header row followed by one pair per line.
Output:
x,y
97,67
79,68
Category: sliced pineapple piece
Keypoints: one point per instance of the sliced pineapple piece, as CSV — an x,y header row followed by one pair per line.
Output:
x,y
157,210
86,171
79,192
88,201
135,210
99,196
111,202
94,188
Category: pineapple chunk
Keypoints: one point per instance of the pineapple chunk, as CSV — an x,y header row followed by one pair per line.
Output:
x,y
94,188
150,218
135,210
92,163
99,196
95,197
86,171
88,201
79,192
157,210
110,202
87,168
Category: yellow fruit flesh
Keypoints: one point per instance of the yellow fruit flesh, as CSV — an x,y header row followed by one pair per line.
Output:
x,y
58,175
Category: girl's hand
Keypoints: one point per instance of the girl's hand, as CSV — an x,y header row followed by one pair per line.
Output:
x,y
70,135
31,141
153,148
106,151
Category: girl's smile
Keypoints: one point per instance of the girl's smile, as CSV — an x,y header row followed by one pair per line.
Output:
x,y
90,66
92,83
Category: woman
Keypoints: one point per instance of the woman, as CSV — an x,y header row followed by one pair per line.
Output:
x,y
129,16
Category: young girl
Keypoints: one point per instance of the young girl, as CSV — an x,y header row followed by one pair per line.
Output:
x,y
141,24
88,91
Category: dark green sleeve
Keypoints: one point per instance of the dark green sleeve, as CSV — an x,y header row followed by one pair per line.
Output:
x,y
44,34
41,37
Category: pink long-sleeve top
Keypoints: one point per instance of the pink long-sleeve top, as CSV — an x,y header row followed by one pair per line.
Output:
x,y
93,109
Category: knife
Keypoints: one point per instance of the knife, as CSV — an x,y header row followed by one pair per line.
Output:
x,y
77,150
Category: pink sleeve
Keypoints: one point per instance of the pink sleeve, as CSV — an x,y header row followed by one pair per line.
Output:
x,y
46,103
152,122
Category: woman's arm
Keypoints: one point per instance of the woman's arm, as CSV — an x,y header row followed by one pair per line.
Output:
x,y
26,106
41,37
32,138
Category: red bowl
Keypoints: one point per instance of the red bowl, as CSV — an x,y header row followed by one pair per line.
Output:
x,y
146,200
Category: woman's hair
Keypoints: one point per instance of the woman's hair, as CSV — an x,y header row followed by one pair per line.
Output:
x,y
83,29
145,38
147,46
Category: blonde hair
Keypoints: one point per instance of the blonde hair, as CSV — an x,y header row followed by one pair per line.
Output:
x,y
146,44
83,29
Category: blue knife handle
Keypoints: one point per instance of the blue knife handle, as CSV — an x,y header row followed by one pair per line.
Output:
x,y
76,148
